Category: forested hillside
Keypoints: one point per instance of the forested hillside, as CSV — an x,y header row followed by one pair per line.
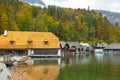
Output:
x,y
68,24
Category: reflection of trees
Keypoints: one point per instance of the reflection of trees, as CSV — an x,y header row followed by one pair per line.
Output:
x,y
66,60
93,70
68,57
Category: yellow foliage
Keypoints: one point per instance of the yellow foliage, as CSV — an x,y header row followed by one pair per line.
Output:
x,y
4,21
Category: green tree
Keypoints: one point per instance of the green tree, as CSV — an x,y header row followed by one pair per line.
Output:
x,y
24,18
4,22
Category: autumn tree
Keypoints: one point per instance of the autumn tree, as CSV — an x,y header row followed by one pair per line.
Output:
x,y
4,22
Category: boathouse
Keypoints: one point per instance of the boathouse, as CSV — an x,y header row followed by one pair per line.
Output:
x,y
33,44
98,48
75,46
84,47
113,48
69,46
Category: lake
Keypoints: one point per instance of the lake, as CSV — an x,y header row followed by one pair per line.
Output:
x,y
75,67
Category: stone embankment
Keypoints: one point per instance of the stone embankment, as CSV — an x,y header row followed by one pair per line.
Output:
x,y
4,72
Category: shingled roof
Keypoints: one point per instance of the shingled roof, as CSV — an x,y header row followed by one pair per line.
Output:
x,y
25,40
113,46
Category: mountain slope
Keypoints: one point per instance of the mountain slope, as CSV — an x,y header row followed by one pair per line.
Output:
x,y
113,17
66,23
34,2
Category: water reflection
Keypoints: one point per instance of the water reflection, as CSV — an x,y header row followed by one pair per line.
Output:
x,y
66,60
44,61
41,68
84,66
99,58
75,59
112,59
90,67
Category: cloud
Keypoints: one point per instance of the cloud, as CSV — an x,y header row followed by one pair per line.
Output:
x,y
110,5
70,3
60,0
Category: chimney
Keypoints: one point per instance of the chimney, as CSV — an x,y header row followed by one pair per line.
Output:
x,y
5,33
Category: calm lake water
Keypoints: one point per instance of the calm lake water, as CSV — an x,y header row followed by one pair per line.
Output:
x,y
85,67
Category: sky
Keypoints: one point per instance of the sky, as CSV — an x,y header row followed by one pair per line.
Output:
x,y
109,5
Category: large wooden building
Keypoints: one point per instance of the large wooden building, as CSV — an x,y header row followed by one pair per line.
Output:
x,y
29,43
113,48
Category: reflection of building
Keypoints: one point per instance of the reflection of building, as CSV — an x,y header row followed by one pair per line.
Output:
x,y
29,43
39,72
44,61
99,57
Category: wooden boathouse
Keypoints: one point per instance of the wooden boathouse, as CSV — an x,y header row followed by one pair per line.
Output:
x,y
34,44
113,48
98,48
76,47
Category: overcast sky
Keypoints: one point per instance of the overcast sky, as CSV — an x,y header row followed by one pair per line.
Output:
x,y
109,5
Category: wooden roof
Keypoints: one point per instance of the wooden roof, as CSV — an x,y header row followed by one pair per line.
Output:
x,y
113,46
100,44
25,40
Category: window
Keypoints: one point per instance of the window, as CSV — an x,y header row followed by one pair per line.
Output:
x,y
12,42
45,42
29,41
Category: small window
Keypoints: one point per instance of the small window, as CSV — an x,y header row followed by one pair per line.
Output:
x,y
29,42
45,42
12,42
